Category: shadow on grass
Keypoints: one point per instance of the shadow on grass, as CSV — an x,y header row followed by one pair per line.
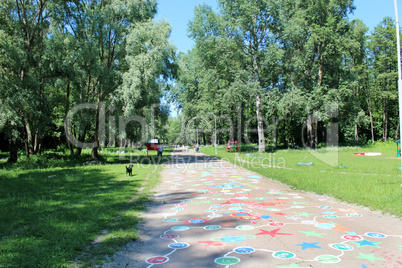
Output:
x,y
51,159
52,216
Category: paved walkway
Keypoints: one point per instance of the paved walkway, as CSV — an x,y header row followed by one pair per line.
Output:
x,y
209,213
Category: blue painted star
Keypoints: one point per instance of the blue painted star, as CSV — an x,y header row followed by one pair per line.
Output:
x,y
306,245
365,242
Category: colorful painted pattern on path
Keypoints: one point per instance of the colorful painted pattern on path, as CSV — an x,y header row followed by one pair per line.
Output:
x,y
239,217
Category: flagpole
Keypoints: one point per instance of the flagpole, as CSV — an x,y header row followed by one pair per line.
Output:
x,y
399,76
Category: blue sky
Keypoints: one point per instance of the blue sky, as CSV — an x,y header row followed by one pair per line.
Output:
x,y
180,12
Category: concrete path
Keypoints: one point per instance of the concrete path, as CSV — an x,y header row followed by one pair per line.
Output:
x,y
209,213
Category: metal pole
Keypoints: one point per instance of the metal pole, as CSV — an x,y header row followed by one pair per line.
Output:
x,y
215,135
398,37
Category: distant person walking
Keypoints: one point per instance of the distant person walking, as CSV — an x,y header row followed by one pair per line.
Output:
x,y
160,150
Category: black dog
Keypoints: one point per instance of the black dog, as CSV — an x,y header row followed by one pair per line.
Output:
x,y
129,170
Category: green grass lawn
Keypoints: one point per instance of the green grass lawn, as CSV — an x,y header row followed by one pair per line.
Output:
x,y
371,181
74,212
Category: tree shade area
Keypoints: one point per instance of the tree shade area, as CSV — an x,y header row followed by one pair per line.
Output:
x,y
95,74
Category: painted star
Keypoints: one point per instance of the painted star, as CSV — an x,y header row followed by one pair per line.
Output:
x,y
313,233
304,214
299,203
306,245
369,257
272,233
400,247
293,265
365,242
280,214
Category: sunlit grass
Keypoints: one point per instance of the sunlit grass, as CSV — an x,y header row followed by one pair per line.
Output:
x,y
63,216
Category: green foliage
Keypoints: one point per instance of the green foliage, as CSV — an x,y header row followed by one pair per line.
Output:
x,y
56,55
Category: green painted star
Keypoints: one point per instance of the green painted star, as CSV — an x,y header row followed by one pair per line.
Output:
x,y
369,257
293,265
313,233
400,247
299,203
304,214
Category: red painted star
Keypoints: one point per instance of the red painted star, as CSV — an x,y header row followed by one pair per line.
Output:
x,y
280,214
272,233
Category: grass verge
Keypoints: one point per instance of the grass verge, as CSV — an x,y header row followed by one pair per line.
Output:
x,y
72,216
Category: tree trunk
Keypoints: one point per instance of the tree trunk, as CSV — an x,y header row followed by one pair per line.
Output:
x,y
310,131
28,141
67,108
356,133
371,125
81,138
385,124
239,123
13,157
260,126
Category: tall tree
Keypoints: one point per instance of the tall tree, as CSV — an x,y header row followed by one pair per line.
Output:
x,y
24,28
383,55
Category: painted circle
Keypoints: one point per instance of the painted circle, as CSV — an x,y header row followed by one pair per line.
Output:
x,y
354,215
325,225
283,255
244,227
376,235
212,227
179,228
170,220
215,216
227,260
169,236
309,222
179,245
233,238
330,216
276,224
352,237
157,260
244,250
211,210
325,207
176,209
196,221
328,259
342,247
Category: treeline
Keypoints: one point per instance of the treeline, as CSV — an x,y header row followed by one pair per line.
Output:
x,y
281,72
108,56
